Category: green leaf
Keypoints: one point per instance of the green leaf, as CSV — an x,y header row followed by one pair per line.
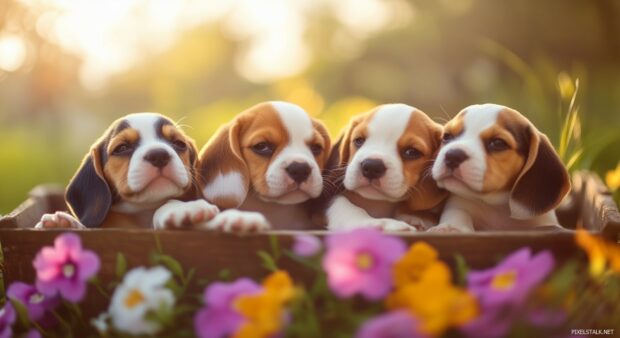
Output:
x,y
22,312
275,246
268,262
121,265
224,274
171,264
461,269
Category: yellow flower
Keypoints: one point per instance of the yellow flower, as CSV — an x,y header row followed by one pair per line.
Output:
x,y
613,178
411,266
265,312
424,288
601,253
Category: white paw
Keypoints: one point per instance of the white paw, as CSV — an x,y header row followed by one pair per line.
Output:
x,y
390,224
57,220
447,228
239,222
177,214
414,221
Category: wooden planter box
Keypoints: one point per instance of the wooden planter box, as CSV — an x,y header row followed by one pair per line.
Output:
x,y
590,206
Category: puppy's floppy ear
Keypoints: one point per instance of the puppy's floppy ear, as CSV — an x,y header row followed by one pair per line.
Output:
x,y
326,155
341,151
543,181
224,174
426,194
88,194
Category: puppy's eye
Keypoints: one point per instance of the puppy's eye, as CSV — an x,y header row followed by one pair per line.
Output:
x,y
121,149
316,149
179,145
358,142
447,137
263,148
411,153
496,145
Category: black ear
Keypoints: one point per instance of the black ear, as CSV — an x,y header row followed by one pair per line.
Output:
x,y
543,182
88,194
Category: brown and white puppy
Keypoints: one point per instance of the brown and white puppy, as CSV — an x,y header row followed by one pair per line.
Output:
x,y
141,162
384,159
502,172
263,166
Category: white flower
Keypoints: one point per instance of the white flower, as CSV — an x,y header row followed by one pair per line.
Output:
x,y
141,292
101,322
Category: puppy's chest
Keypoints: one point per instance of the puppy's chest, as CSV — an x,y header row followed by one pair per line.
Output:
x,y
374,208
497,217
281,216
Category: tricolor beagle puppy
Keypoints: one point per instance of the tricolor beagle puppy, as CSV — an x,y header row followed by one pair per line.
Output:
x,y
141,162
383,161
263,166
502,172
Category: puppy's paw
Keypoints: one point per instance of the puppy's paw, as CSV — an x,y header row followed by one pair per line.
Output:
x,y
237,221
447,229
414,221
392,225
59,220
177,214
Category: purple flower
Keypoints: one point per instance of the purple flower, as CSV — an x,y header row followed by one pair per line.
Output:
x,y
360,262
399,324
7,318
218,318
37,304
32,334
306,245
503,290
65,268
511,280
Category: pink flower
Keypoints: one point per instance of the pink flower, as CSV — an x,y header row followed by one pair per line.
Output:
x,y
360,262
399,324
306,245
218,318
65,268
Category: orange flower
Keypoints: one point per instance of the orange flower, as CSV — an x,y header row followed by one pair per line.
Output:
x,y
265,311
424,288
602,254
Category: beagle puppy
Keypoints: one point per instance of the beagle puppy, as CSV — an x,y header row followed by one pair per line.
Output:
x,y
502,172
263,166
141,162
382,165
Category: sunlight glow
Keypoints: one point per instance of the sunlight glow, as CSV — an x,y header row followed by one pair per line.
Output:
x,y
12,52
113,36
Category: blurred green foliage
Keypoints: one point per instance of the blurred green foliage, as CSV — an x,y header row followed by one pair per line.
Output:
x,y
524,54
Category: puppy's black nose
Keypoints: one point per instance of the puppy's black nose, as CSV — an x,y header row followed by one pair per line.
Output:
x,y
455,157
373,168
157,157
298,171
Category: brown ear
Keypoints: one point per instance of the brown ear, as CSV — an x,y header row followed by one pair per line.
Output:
x,y
326,156
426,194
224,175
88,195
543,181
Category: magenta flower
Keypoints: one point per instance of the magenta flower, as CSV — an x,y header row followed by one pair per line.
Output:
x,y
37,304
360,262
65,268
399,324
306,245
219,318
7,318
32,334
503,290
511,280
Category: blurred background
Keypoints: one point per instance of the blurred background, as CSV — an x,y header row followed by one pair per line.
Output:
x,y
70,67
